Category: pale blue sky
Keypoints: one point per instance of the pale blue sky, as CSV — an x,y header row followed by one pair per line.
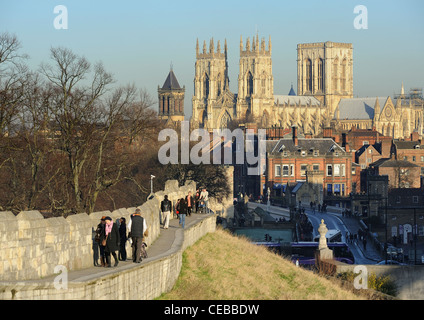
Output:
x,y
137,40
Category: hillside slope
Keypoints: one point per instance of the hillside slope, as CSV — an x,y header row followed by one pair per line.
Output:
x,y
221,266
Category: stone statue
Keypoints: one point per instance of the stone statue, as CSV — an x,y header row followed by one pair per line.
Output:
x,y
324,252
322,232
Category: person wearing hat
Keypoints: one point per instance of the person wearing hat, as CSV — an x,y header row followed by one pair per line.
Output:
x,y
112,241
98,239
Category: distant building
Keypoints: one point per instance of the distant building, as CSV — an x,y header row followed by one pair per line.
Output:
x,y
401,173
317,161
412,151
171,99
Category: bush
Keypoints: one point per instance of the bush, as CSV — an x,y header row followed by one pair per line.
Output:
x,y
382,284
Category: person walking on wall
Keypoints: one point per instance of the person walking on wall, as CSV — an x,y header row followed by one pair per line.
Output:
x,y
138,228
166,208
204,196
183,212
98,239
112,241
190,203
196,200
123,239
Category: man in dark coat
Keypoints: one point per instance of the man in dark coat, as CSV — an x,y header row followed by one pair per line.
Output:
x,y
123,239
112,241
137,233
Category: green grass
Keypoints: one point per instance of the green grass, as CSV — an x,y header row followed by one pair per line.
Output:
x,y
221,266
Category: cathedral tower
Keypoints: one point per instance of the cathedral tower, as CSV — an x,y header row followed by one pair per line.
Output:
x,y
255,81
171,99
325,71
210,83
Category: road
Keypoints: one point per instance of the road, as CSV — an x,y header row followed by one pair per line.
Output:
x,y
332,218
333,221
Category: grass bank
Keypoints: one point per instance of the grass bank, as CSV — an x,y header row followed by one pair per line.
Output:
x,y
221,266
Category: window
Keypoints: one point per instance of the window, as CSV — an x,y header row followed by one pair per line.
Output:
x,y
285,170
422,171
337,189
415,199
316,167
278,170
303,169
405,158
343,170
320,75
329,170
316,153
414,158
336,170
309,75
398,199
329,189
365,143
292,170
422,158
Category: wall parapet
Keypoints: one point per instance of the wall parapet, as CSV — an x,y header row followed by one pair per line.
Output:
x,y
31,246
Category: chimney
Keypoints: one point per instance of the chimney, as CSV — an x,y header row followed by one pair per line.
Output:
x,y
294,134
344,139
328,132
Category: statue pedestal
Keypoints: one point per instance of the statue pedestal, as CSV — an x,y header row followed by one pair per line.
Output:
x,y
324,254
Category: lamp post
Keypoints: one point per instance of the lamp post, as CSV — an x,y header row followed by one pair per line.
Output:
x,y
151,183
151,196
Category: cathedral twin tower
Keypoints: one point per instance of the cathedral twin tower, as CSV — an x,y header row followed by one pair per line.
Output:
x,y
324,77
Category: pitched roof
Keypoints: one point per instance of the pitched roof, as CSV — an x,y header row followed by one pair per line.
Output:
x,y
387,162
323,145
293,99
408,145
359,108
292,93
171,82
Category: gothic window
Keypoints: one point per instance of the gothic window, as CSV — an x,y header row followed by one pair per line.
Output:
x,y
205,86
168,105
225,120
249,84
343,76
320,75
309,75
335,74
219,85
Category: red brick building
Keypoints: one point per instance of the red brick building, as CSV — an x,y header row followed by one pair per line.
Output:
x,y
321,160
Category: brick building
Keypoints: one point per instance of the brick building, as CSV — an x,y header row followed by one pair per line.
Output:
x,y
321,161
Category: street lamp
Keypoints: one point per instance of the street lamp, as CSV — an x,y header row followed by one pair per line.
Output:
x,y
151,196
151,183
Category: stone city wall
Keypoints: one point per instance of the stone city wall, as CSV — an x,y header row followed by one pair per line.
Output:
x,y
138,282
31,246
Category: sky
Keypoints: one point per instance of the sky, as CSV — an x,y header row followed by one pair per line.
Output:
x,y
137,41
